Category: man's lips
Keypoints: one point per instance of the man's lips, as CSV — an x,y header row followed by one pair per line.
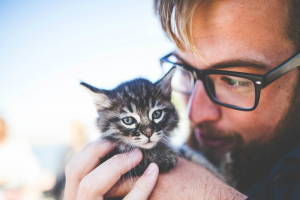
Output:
x,y
209,141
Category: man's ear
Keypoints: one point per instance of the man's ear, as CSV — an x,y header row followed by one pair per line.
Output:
x,y
165,84
101,98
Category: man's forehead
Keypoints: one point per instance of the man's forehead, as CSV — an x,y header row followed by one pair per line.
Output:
x,y
239,30
230,11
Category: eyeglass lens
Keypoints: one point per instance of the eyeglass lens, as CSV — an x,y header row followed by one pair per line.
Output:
x,y
230,90
182,80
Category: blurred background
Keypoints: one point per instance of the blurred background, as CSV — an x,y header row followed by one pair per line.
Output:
x,y
46,48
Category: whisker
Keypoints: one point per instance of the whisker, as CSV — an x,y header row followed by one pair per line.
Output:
x,y
166,137
122,161
140,165
131,148
128,165
163,141
135,166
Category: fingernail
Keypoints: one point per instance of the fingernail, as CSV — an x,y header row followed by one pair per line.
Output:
x,y
150,169
133,153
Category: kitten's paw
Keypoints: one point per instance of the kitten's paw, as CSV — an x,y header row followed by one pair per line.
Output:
x,y
167,161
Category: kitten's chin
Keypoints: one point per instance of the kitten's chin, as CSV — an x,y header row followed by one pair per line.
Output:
x,y
148,145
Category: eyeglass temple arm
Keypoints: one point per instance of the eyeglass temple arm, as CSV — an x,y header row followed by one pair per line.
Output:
x,y
164,59
281,70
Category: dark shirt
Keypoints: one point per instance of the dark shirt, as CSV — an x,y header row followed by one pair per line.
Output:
x,y
284,180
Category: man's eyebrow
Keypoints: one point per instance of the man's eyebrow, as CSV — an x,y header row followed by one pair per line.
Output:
x,y
254,64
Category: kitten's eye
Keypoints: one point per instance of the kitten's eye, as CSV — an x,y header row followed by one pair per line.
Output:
x,y
128,120
157,114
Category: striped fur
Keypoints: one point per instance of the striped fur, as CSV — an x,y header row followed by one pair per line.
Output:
x,y
139,99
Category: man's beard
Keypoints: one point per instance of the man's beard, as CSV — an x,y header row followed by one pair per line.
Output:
x,y
254,161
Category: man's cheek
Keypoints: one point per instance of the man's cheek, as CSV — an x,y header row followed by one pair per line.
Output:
x,y
249,125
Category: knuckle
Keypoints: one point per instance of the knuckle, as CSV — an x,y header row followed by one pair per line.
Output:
x,y
84,188
67,168
99,141
94,146
94,149
98,146
117,158
87,145
87,188
140,186
71,172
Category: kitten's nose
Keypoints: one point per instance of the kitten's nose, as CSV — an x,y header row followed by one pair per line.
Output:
x,y
147,132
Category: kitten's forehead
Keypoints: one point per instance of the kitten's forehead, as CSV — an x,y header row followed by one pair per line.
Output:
x,y
137,92
140,97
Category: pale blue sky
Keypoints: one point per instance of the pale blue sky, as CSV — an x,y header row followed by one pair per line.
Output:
x,y
47,46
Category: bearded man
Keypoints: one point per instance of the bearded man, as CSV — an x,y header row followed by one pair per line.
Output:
x,y
237,63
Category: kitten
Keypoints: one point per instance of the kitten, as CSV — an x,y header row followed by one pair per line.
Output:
x,y
138,114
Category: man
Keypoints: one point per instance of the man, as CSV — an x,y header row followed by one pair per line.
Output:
x,y
236,36
254,117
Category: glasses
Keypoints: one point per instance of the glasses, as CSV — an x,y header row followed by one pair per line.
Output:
x,y
231,89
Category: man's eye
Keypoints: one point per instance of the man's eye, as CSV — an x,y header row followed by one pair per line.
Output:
x,y
235,82
128,120
157,114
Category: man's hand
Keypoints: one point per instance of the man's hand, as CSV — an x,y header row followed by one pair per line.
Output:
x,y
86,179
186,181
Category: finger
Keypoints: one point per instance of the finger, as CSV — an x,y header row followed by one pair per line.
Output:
x,y
89,158
121,188
84,164
144,186
100,180
71,161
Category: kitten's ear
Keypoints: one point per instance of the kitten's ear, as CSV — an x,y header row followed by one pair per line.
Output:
x,y
101,98
165,83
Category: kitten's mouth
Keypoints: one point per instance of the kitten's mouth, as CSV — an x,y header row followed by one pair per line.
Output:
x,y
149,144
149,141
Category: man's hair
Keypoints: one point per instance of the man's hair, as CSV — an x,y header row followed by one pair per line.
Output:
x,y
293,23
176,20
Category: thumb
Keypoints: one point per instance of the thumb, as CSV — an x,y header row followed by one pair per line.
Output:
x,y
144,186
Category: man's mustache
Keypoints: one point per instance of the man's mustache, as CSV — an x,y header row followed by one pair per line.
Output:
x,y
210,132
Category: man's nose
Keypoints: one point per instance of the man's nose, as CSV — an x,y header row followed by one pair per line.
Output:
x,y
200,107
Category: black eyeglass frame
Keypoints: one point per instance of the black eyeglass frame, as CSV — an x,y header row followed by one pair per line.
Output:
x,y
259,81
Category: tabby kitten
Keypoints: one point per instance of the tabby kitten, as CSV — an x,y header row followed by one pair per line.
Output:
x,y
138,114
